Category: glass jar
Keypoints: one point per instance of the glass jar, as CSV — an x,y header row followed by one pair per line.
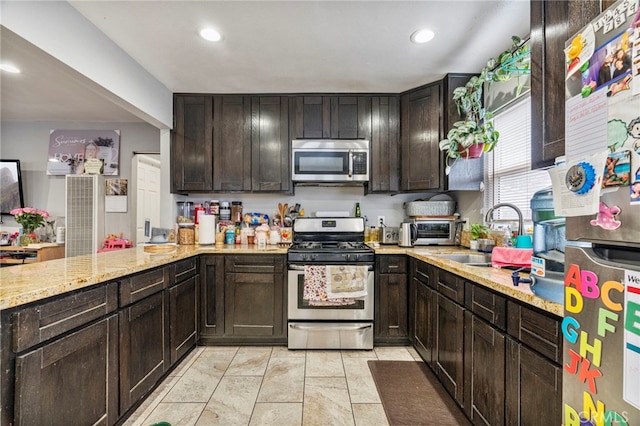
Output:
x,y
214,205
185,212
225,212
186,234
236,211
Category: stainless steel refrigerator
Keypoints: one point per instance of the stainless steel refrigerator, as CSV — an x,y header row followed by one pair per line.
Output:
x,y
601,326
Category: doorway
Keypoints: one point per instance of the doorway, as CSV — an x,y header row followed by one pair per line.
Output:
x,y
145,170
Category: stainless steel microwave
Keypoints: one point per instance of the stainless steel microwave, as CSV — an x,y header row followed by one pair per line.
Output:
x,y
330,160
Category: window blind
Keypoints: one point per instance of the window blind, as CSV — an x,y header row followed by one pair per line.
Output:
x,y
508,175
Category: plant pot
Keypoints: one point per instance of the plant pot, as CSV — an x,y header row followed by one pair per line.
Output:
x,y
473,151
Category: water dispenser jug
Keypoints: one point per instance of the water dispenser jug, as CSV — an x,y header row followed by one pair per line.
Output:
x,y
549,240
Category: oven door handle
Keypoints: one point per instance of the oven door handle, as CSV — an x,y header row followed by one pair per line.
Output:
x,y
301,267
321,327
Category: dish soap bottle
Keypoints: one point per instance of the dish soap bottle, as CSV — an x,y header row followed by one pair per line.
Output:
x,y
358,212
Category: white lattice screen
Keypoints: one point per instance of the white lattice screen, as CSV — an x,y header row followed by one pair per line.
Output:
x,y
84,214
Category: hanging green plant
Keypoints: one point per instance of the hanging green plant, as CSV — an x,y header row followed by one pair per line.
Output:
x,y
476,129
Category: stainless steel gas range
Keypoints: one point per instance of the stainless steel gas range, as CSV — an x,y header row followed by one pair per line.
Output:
x,y
330,285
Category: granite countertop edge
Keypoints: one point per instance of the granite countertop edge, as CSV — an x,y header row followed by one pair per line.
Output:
x,y
24,284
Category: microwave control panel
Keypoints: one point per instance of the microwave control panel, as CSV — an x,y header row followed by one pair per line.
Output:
x,y
360,163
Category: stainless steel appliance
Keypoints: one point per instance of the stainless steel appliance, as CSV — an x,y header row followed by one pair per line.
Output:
x,y
330,161
601,324
389,235
322,242
437,230
407,235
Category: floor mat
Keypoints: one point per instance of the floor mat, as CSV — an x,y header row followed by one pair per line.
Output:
x,y
412,395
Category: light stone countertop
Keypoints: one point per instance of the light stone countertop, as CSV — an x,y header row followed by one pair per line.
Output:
x,y
24,284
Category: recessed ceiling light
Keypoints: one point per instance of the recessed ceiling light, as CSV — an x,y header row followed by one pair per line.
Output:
x,y
422,36
210,34
10,68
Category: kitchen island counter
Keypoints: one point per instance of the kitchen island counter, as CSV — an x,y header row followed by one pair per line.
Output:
x,y
23,284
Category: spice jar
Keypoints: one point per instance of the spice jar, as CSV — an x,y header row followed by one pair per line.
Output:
x,y
186,234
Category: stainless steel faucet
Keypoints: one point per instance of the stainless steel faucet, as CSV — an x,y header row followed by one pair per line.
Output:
x,y
488,218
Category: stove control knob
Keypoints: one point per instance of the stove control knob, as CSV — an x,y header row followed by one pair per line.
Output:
x,y
314,256
303,256
347,256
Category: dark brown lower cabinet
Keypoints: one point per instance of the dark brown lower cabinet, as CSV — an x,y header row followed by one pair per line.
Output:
x,y
211,297
144,354
71,379
424,333
391,300
449,346
533,387
182,316
254,297
484,372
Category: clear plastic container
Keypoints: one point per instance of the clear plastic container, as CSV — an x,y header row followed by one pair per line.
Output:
x,y
185,212
549,230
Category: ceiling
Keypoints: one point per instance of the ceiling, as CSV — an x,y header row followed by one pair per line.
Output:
x,y
267,47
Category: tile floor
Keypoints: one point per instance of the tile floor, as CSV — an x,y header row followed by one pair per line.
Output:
x,y
248,385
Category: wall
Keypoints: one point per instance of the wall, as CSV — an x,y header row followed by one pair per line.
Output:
x,y
29,143
313,199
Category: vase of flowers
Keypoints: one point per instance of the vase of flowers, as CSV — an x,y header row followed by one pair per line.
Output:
x,y
30,219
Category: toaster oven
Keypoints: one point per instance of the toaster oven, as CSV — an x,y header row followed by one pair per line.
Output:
x,y
437,231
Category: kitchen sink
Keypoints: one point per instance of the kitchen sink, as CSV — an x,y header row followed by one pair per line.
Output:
x,y
471,259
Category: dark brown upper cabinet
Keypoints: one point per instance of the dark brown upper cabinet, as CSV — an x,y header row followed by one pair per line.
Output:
x,y
385,144
326,117
552,24
231,143
192,144
421,128
270,146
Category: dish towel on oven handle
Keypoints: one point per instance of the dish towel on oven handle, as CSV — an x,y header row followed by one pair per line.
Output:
x,y
346,281
315,286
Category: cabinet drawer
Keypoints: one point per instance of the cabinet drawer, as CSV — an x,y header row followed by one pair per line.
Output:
x,y
42,322
392,264
486,304
137,287
185,269
423,272
261,264
535,329
451,285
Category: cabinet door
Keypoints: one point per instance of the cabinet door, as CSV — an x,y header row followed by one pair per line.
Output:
x,y
232,143
192,144
425,300
254,296
144,356
323,117
533,387
449,346
82,366
391,315
182,317
552,23
211,296
270,144
385,145
351,117
421,122
484,372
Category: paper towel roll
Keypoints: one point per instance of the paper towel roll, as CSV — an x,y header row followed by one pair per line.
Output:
x,y
60,235
207,232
